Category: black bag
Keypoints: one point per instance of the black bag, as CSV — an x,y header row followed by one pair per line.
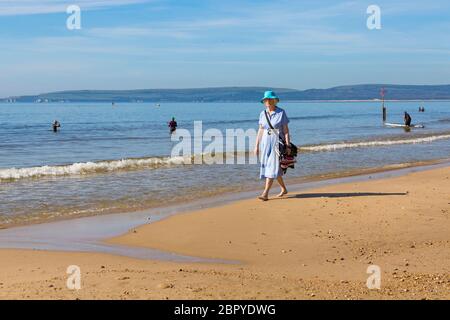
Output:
x,y
293,147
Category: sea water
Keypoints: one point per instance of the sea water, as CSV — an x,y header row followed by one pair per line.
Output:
x,y
118,158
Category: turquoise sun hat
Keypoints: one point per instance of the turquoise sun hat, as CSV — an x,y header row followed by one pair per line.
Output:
x,y
269,95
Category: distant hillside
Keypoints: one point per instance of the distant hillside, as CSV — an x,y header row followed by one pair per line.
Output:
x,y
372,91
243,94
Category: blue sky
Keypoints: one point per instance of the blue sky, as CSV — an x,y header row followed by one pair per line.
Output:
x,y
128,44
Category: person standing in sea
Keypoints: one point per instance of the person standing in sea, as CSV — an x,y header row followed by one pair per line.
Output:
x,y
267,143
172,125
56,125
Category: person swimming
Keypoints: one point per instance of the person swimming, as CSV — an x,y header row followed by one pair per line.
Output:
x,y
407,119
173,125
56,125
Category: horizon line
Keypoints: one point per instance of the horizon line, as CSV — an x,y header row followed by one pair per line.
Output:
x,y
227,87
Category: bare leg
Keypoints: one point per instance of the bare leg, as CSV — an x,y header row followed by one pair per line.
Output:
x,y
265,195
283,186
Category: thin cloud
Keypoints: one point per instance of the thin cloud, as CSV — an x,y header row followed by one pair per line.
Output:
x,y
32,7
187,29
127,32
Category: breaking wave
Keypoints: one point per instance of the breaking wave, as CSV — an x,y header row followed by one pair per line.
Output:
x,y
374,143
85,168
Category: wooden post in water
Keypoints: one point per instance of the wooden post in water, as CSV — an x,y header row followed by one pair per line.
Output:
x,y
383,93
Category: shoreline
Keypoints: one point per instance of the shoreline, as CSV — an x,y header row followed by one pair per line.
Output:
x,y
232,196
91,233
370,176
316,243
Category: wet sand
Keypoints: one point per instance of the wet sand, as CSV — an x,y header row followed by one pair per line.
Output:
x,y
314,244
201,199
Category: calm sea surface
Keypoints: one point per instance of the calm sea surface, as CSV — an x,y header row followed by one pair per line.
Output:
x,y
117,158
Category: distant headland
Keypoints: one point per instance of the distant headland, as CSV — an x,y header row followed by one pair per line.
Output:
x,y
242,94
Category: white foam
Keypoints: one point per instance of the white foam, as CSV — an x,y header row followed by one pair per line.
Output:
x,y
338,146
85,168
88,168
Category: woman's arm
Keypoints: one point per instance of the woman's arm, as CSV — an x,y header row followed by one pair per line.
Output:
x,y
287,137
258,139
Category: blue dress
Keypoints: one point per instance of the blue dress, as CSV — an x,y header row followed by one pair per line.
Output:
x,y
269,144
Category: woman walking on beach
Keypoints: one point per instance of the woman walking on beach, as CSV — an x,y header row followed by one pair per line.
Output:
x,y
273,126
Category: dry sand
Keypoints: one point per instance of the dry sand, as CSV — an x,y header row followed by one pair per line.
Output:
x,y
310,245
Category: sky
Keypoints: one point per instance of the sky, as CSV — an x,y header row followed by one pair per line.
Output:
x,y
142,44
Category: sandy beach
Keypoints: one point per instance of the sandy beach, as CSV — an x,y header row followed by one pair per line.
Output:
x,y
314,244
